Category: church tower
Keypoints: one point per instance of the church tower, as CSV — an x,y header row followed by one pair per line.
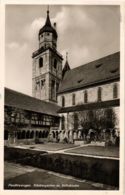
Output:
x,y
47,64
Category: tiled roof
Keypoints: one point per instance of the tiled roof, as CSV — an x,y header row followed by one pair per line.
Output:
x,y
101,70
20,100
90,106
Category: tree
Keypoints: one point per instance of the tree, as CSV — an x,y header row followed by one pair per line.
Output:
x,y
90,119
109,118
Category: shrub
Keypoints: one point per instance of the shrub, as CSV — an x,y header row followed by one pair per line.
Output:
x,y
99,170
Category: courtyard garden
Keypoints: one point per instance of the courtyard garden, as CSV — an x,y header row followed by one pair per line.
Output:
x,y
78,166
108,151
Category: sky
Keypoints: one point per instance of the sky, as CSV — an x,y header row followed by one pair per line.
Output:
x,y
86,32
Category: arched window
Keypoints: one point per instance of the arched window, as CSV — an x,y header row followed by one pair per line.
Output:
x,y
63,101
43,134
23,135
63,123
53,134
37,134
55,63
85,97
115,91
32,134
99,94
73,99
40,134
40,62
75,121
46,134
27,134
53,90
18,135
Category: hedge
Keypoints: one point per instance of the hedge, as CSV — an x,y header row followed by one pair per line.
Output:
x,y
98,170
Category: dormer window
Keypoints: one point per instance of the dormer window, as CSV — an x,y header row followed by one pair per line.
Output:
x,y
98,65
40,62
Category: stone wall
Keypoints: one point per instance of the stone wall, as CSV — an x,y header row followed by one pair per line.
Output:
x,y
107,94
46,72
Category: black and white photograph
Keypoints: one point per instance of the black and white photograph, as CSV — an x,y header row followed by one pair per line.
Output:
x,y
62,97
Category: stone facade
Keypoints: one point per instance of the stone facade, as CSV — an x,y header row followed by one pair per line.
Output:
x,y
92,93
46,79
73,128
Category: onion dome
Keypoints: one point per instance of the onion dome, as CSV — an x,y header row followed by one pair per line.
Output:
x,y
48,27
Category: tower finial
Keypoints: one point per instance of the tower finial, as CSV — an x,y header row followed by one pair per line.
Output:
x,y
48,9
66,56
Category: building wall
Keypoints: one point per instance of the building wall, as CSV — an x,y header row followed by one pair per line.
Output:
x,y
47,39
69,122
107,94
45,74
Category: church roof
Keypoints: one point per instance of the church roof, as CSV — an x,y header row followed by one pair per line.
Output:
x,y
93,73
48,27
25,102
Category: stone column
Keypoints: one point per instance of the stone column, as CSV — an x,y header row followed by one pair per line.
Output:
x,y
67,121
60,123
75,135
79,134
104,136
70,136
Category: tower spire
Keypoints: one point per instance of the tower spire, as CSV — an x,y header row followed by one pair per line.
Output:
x,y
48,9
66,66
66,56
48,23
48,32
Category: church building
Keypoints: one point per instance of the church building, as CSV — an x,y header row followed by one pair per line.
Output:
x,y
65,101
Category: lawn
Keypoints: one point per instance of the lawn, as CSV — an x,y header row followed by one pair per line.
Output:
x,y
33,178
12,170
49,146
96,151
